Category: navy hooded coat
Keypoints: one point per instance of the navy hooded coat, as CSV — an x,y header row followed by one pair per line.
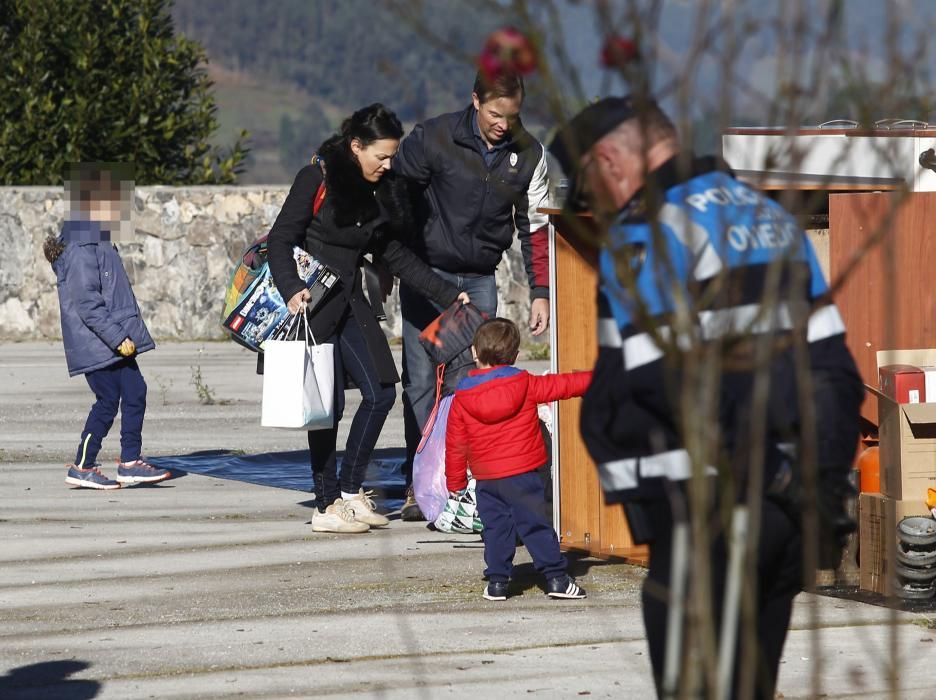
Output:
x,y
97,303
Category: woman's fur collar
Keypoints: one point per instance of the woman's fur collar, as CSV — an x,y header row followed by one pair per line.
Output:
x,y
355,200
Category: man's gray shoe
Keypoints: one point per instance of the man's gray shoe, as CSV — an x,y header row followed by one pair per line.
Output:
x,y
410,510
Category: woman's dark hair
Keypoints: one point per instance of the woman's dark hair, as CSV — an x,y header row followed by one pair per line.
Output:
x,y
370,124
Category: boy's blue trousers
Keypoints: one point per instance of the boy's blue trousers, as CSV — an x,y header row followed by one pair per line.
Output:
x,y
117,386
515,505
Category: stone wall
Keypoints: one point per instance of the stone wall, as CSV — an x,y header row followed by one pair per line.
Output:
x,y
819,237
187,240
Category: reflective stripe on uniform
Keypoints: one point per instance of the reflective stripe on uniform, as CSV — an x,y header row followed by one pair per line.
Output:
x,y
746,318
825,323
640,350
608,334
624,474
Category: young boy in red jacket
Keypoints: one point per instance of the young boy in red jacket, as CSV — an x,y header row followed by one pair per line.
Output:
x,y
493,428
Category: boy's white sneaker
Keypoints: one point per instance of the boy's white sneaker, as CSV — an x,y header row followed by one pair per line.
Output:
x,y
338,517
365,510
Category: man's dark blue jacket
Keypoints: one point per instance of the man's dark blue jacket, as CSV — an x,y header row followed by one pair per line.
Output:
x,y
475,207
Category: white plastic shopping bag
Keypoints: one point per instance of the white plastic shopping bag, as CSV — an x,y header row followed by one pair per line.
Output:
x,y
460,514
298,382
429,486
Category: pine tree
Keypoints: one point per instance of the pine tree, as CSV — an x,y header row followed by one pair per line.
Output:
x,y
105,80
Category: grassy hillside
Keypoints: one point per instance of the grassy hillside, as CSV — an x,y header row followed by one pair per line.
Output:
x,y
245,102
289,71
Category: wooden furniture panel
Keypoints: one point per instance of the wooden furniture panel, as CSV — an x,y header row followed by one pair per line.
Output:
x,y
576,312
586,523
888,300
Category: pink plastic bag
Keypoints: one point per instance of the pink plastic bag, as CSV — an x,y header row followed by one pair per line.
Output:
x,y
429,485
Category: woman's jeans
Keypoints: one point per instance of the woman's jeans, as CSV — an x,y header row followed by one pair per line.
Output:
x,y
353,358
419,372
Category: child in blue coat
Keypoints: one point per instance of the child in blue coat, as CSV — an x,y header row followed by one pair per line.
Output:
x,y
102,329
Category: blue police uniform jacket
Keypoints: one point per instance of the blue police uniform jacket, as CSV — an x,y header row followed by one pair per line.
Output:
x,y
711,260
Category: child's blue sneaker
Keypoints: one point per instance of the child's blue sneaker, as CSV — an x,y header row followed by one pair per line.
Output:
x,y
496,590
139,472
564,587
90,478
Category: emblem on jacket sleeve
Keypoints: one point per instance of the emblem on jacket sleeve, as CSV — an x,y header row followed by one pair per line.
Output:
x,y
513,159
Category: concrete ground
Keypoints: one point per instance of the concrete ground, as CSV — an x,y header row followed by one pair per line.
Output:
x,y
210,588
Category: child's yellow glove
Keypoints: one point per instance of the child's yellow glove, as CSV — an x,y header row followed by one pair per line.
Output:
x,y
126,348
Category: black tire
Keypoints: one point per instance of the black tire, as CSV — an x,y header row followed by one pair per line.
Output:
x,y
916,592
917,530
916,575
917,558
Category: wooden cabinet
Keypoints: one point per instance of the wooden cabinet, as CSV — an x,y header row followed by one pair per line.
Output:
x,y
887,299
583,521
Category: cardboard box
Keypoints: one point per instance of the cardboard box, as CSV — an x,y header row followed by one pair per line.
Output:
x,y
877,533
907,449
903,383
907,434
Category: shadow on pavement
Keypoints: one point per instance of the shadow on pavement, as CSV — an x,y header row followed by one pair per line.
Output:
x,y
855,593
48,680
525,577
290,470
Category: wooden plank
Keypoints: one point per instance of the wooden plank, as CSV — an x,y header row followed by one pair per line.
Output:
x,y
576,314
771,180
829,186
616,540
587,524
859,131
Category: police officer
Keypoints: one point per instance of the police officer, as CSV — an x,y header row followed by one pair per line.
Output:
x,y
709,295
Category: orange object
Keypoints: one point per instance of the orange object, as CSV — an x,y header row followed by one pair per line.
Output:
x,y
869,470
931,498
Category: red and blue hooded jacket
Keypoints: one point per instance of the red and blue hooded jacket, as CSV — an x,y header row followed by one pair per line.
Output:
x,y
493,426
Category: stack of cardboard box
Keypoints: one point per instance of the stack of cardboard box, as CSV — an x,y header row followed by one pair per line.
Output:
x,y
907,432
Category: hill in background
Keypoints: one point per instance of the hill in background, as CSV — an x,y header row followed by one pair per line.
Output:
x,y
290,71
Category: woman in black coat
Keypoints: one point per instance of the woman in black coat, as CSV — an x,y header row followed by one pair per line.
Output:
x,y
365,210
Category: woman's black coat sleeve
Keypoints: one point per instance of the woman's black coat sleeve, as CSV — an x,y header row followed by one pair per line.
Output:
x,y
289,230
413,272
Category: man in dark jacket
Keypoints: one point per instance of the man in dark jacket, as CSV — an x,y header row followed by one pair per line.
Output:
x,y
484,178
710,297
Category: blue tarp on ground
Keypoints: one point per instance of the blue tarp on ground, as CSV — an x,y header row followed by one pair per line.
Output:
x,y
290,470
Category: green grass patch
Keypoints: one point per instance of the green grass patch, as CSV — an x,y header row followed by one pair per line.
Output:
x,y
536,351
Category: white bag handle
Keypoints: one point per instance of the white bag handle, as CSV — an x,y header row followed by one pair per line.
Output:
x,y
297,320
294,322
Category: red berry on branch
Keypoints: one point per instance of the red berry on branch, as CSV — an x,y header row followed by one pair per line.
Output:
x,y
618,51
490,67
507,49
